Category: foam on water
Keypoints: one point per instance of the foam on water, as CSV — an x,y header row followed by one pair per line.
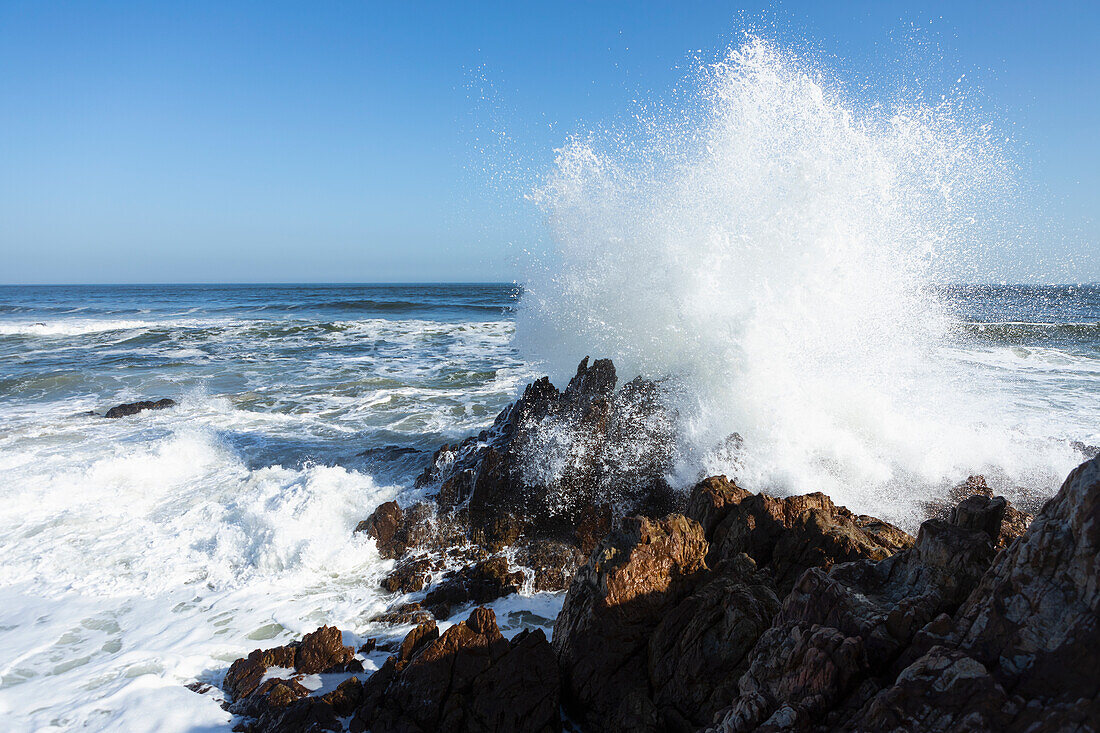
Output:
x,y
136,557
147,553
774,249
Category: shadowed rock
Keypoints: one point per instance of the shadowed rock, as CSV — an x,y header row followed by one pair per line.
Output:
x,y
657,626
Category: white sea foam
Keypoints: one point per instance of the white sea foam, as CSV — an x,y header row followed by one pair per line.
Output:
x,y
774,249
135,564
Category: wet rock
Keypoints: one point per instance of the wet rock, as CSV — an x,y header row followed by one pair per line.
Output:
x,y
470,678
480,583
410,575
700,648
872,645
787,536
323,651
552,564
612,449
658,625
319,651
133,408
1015,521
588,429
1023,649
403,615
385,525
632,580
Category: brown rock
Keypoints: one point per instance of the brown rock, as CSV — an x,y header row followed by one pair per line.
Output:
x,y
410,575
323,651
405,614
385,525
877,645
788,536
632,580
469,679
480,583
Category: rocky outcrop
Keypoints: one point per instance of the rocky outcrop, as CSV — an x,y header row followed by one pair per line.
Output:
x,y
1023,650
953,634
133,408
540,487
555,457
1015,521
470,678
255,693
657,626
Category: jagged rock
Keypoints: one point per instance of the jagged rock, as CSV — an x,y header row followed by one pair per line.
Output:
x,y
479,583
410,575
657,627
403,615
787,536
1023,651
700,648
552,563
844,634
632,580
323,651
610,451
470,678
133,408
396,530
271,701
587,431
1015,522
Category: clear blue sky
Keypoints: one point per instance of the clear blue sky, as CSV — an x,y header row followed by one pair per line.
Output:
x,y
357,141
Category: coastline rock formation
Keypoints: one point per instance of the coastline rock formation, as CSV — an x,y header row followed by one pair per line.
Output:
x,y
469,678
726,611
677,624
657,626
526,500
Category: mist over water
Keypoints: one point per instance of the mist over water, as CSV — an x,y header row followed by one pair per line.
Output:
x,y
776,252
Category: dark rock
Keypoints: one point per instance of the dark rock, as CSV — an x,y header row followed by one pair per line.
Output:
x,y
317,652
386,527
632,580
787,536
552,563
658,626
880,645
323,651
470,678
403,615
591,429
134,408
611,450
410,575
479,583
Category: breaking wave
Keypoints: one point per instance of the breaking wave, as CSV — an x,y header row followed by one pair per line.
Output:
x,y
778,252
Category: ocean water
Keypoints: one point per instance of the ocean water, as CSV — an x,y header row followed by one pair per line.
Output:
x,y
146,553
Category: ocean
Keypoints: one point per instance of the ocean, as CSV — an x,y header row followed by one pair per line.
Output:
x,y
146,553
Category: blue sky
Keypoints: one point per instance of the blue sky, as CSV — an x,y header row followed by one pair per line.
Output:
x,y
356,141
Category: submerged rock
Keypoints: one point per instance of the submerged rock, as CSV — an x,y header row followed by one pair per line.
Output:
x,y
134,408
